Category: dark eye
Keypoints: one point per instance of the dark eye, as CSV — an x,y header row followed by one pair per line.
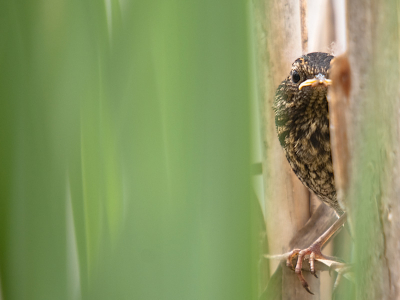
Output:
x,y
295,77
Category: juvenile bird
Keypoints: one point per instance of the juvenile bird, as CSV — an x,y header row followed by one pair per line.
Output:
x,y
302,124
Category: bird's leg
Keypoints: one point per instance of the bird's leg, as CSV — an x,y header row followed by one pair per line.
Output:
x,y
313,252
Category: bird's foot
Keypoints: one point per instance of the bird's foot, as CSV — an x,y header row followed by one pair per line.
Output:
x,y
312,253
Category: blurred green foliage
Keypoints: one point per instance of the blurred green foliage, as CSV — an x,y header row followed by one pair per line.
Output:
x,y
125,150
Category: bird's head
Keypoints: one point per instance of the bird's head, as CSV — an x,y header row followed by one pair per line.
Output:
x,y
308,81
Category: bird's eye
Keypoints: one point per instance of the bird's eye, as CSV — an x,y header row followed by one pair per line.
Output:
x,y
295,77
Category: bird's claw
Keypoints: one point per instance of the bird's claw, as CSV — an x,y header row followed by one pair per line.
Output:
x,y
314,252
303,282
290,257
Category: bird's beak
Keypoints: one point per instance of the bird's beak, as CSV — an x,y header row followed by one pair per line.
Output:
x,y
318,79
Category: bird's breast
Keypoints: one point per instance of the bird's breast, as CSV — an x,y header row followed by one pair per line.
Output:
x,y
307,148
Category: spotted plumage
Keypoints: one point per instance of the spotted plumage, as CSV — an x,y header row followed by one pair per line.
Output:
x,y
302,123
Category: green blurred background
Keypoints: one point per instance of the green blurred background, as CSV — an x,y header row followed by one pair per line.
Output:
x,y
125,150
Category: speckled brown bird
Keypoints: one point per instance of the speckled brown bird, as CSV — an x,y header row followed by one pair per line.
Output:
x,y
302,123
